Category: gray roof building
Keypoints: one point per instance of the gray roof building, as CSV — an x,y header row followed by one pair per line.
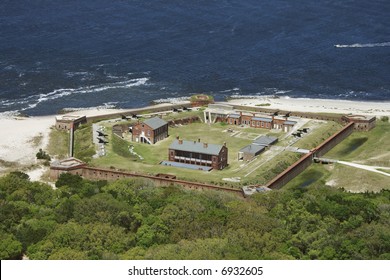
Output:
x,y
261,119
155,122
234,116
290,122
195,147
252,149
265,140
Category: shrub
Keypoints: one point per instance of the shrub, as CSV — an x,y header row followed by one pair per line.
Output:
x,y
43,155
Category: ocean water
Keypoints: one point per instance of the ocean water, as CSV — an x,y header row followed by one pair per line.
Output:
x,y
58,54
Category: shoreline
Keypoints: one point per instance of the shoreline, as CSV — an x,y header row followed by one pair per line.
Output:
x,y
26,135
313,105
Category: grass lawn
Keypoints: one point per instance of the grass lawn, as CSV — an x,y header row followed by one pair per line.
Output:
x,y
340,176
368,147
314,175
215,133
358,180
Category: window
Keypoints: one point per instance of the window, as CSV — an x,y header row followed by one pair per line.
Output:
x,y
262,124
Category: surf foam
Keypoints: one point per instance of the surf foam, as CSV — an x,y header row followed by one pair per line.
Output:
x,y
370,45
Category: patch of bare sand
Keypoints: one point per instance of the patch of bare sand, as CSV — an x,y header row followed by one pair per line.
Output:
x,y
318,105
20,140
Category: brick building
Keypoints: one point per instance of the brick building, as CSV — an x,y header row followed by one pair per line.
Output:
x,y
65,122
257,147
361,122
260,121
70,165
198,153
150,131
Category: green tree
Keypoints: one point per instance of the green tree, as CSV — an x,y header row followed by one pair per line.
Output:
x,y
10,247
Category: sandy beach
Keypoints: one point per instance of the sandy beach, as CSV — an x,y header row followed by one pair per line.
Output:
x,y
20,141
23,137
377,109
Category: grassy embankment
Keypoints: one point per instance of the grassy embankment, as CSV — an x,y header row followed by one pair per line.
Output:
x,y
369,148
58,146
318,134
84,147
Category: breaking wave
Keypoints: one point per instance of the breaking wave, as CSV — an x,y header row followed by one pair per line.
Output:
x,y
371,45
35,100
107,105
172,100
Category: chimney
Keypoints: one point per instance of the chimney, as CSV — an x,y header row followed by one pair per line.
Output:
x,y
180,141
254,114
205,145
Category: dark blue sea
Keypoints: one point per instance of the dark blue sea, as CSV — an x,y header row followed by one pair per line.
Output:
x,y
128,53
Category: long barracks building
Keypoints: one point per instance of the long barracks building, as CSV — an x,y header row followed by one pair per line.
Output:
x,y
226,113
260,122
198,153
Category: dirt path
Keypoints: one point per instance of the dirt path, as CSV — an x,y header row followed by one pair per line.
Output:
x,y
367,167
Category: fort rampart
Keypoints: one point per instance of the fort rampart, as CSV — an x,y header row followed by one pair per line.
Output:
x,y
333,140
149,110
276,183
291,172
93,173
299,166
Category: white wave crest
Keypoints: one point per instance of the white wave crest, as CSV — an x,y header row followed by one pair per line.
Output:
x,y
33,101
172,100
230,90
107,105
371,45
9,114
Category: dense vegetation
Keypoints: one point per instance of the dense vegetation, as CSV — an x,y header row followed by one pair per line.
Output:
x,y
132,219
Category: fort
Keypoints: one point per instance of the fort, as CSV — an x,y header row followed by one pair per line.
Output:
x,y
188,152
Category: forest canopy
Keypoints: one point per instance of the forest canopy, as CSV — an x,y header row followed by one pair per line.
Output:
x,y
133,219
